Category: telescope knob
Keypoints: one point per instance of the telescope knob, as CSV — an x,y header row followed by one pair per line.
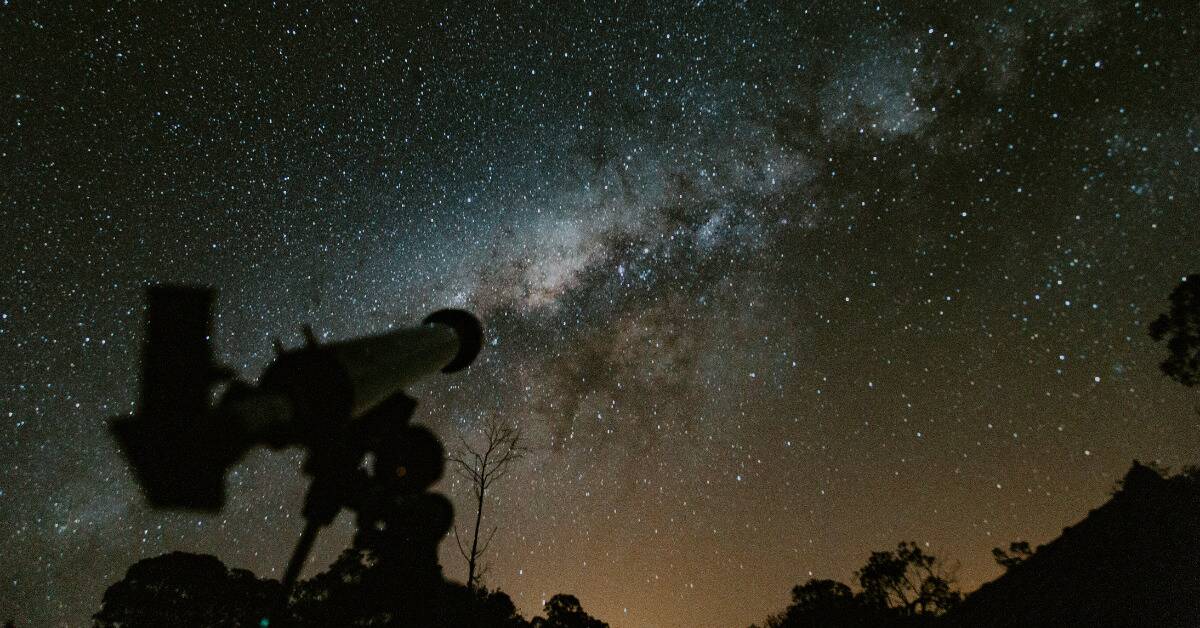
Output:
x,y
411,462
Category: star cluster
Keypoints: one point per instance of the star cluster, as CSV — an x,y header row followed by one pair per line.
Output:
x,y
767,286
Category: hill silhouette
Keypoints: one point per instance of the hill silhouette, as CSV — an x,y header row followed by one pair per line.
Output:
x,y
1130,562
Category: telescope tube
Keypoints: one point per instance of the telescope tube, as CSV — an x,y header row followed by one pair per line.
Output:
x,y
380,366
329,384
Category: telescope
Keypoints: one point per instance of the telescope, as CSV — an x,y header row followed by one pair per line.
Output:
x,y
343,402
187,432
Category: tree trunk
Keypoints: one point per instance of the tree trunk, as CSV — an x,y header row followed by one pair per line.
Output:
x,y
475,543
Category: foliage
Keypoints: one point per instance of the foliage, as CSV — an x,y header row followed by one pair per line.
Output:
x,y
336,595
565,611
901,587
907,580
1017,553
1181,327
357,591
824,604
181,589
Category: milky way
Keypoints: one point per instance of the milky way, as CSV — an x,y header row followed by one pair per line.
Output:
x,y
767,286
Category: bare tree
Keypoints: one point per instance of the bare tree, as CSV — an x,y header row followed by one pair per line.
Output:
x,y
483,466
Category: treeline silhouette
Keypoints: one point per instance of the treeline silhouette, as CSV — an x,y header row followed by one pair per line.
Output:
x,y
1130,562
183,589
903,587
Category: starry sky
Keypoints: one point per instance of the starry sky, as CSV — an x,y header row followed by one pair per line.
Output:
x,y
767,286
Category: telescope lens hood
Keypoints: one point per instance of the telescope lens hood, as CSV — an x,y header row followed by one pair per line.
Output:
x,y
470,336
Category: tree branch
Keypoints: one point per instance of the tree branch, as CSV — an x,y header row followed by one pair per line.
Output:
x,y
461,550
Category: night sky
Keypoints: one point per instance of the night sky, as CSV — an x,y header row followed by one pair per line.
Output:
x,y
767,286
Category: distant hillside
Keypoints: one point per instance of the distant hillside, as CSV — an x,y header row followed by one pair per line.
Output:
x,y
1135,561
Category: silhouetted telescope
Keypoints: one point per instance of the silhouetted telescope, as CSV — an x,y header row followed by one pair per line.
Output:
x,y
194,420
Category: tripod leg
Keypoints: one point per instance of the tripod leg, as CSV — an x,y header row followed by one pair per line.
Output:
x,y
299,556
303,547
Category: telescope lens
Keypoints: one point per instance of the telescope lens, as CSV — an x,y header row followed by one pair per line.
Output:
x,y
470,336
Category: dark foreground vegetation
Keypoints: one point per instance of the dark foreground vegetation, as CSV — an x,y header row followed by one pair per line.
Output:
x,y
1130,562
181,589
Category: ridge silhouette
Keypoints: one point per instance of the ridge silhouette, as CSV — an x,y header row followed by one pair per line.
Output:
x,y
1130,562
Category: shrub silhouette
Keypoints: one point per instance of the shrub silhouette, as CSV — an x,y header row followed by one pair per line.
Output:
x,y
182,589
357,590
1017,553
565,611
1180,326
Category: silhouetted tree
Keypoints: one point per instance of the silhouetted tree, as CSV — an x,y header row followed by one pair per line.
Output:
x,y
824,604
482,467
907,580
497,610
1181,327
1017,553
565,611
182,589
901,588
817,595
